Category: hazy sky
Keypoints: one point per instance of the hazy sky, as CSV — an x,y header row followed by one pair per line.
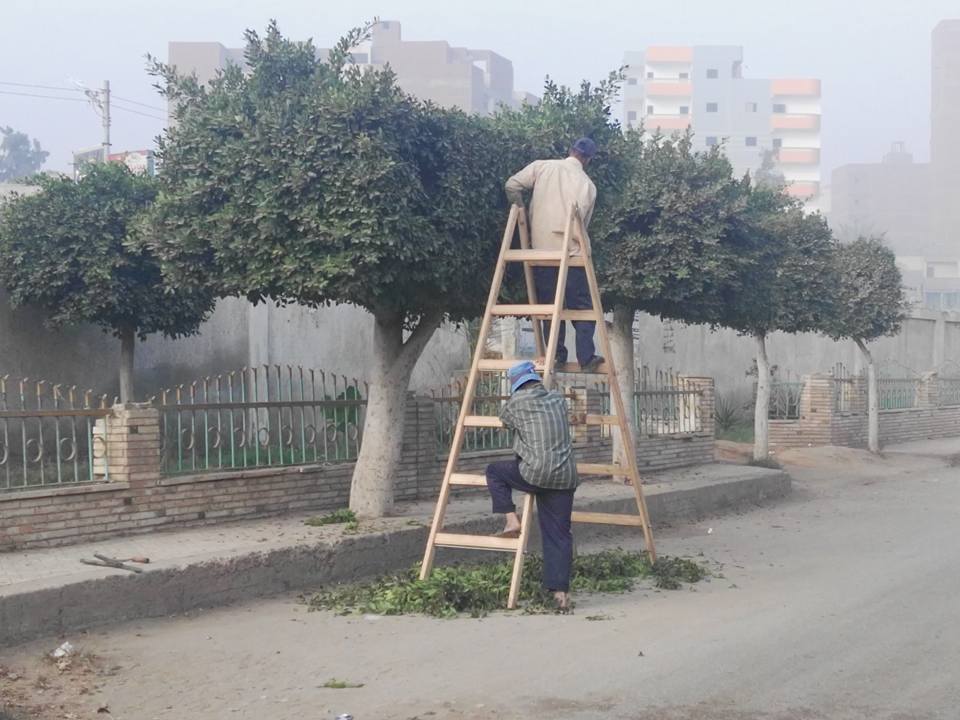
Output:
x,y
873,56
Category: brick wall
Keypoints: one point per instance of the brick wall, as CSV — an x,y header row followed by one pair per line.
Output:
x,y
138,498
821,424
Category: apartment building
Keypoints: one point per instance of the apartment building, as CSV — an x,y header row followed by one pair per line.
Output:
x,y
477,81
944,135
672,88
891,198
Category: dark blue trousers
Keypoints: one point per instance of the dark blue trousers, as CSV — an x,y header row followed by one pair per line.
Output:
x,y
553,511
577,297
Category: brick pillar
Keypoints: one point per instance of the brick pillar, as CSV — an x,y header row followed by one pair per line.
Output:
x,y
127,445
579,407
705,404
928,390
593,405
420,469
817,409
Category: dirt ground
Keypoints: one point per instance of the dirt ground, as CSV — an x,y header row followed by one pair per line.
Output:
x,y
837,603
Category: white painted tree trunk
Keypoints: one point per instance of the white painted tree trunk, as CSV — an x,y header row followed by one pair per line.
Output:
x,y
371,491
761,412
873,400
621,345
128,343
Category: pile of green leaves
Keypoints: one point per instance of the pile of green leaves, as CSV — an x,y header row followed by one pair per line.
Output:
x,y
477,590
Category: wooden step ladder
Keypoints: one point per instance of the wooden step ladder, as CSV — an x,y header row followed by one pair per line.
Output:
x,y
556,313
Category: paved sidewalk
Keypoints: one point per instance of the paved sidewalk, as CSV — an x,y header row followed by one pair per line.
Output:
x,y
47,591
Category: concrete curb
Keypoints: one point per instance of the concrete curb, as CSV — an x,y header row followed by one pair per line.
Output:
x,y
42,611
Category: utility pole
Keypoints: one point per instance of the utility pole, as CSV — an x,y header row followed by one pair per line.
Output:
x,y
105,112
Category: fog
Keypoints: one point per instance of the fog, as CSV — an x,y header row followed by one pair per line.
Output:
x,y
873,56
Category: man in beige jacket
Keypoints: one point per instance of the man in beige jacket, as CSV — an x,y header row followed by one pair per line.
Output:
x,y
557,185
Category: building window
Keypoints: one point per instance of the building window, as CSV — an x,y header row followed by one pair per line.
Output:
x,y
712,107
650,75
684,109
712,73
751,141
631,115
779,108
777,143
684,76
752,107
649,109
711,140
631,81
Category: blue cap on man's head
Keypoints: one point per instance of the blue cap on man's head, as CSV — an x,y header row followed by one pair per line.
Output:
x,y
586,147
522,373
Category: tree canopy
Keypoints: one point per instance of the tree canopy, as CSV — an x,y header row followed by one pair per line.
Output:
x,y
73,250
306,179
19,157
868,301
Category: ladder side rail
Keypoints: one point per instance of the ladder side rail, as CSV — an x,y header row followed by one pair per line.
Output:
x,y
614,386
559,301
468,395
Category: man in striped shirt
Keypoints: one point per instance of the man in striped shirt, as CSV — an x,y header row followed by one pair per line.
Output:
x,y
545,466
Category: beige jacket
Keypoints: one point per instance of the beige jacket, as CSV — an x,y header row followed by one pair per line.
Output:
x,y
556,185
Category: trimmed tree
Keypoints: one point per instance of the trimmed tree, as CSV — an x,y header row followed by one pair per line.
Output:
x,y
784,283
309,180
667,247
72,250
868,303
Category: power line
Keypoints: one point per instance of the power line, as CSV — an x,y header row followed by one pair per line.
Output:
x,y
41,87
36,95
137,112
134,102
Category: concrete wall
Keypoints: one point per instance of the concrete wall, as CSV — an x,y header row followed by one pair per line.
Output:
x,y
930,340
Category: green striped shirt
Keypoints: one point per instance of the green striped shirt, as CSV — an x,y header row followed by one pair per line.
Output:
x,y
541,437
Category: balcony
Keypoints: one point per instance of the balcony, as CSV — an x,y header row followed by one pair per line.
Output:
x,y
789,87
669,54
681,88
803,190
794,122
666,122
798,156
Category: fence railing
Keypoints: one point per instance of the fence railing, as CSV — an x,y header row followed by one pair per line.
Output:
x,y
261,417
845,390
47,435
897,393
785,400
664,403
949,390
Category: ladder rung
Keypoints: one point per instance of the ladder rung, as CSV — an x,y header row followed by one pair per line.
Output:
x,y
468,479
578,315
600,420
476,542
607,518
602,469
522,310
500,365
487,421
543,258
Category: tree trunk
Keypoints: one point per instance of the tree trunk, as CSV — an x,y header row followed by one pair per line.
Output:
x,y
128,342
371,492
761,412
873,400
621,345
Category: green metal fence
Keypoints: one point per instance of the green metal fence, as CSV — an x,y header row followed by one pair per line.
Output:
x,y
897,393
47,436
949,388
664,403
267,416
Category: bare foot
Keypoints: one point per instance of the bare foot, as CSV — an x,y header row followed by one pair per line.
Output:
x,y
563,601
512,527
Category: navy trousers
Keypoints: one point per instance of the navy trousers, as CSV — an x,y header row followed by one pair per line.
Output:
x,y
577,297
553,511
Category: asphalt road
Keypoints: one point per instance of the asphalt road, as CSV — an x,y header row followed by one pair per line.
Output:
x,y
841,602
